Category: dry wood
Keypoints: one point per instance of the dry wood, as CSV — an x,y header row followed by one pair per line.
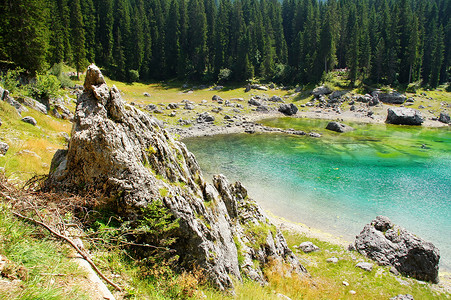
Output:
x,y
68,240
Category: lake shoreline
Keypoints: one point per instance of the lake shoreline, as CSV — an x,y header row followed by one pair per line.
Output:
x,y
250,122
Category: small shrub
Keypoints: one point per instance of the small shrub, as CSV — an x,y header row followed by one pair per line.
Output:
x,y
133,75
45,87
413,87
224,75
57,70
11,80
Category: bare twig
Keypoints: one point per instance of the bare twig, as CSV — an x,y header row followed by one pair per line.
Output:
x,y
68,240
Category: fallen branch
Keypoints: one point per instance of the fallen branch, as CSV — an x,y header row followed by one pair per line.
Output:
x,y
80,251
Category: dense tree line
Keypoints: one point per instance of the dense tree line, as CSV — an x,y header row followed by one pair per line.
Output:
x,y
293,41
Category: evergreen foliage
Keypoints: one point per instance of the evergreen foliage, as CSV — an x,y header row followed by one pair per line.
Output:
x,y
290,41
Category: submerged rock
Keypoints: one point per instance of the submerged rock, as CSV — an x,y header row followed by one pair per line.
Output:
x,y
404,116
392,245
118,150
338,127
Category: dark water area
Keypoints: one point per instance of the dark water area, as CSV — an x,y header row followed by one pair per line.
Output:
x,y
340,182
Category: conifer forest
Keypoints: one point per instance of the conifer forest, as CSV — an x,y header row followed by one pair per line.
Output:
x,y
288,41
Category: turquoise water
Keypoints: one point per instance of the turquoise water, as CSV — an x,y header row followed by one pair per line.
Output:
x,y
340,182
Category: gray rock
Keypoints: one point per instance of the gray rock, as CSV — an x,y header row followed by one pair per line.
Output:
x,y
365,266
314,134
392,245
390,98
248,88
402,297
151,107
146,94
288,109
275,99
321,90
29,120
259,87
189,106
173,106
217,88
444,118
33,104
3,148
254,102
2,91
338,127
62,112
263,108
404,116
332,260
205,118
19,107
216,98
1,122
308,247
116,149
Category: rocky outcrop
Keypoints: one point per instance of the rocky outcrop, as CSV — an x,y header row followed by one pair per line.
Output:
x,y
338,127
125,155
404,116
288,109
33,104
390,98
392,245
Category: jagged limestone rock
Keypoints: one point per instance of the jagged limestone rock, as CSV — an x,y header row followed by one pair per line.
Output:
x,y
392,245
125,154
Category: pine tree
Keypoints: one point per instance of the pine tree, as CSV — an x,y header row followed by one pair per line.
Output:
x,y
172,43
197,32
25,33
89,23
104,32
78,40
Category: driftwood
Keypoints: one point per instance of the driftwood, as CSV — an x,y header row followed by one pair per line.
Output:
x,y
68,240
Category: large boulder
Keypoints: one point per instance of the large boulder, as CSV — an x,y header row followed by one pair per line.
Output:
x,y
338,127
444,118
30,120
129,159
321,90
391,245
254,102
390,98
404,116
288,109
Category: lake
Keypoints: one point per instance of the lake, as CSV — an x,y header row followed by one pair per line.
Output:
x,y
340,182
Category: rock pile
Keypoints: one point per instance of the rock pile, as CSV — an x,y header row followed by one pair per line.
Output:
x,y
124,154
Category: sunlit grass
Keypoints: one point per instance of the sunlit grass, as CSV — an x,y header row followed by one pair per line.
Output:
x,y
36,258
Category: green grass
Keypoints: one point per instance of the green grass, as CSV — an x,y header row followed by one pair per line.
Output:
x,y
31,147
38,256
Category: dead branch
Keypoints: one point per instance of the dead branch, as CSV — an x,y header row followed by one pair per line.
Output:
x,y
68,240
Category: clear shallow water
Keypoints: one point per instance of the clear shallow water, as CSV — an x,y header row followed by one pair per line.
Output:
x,y
340,182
